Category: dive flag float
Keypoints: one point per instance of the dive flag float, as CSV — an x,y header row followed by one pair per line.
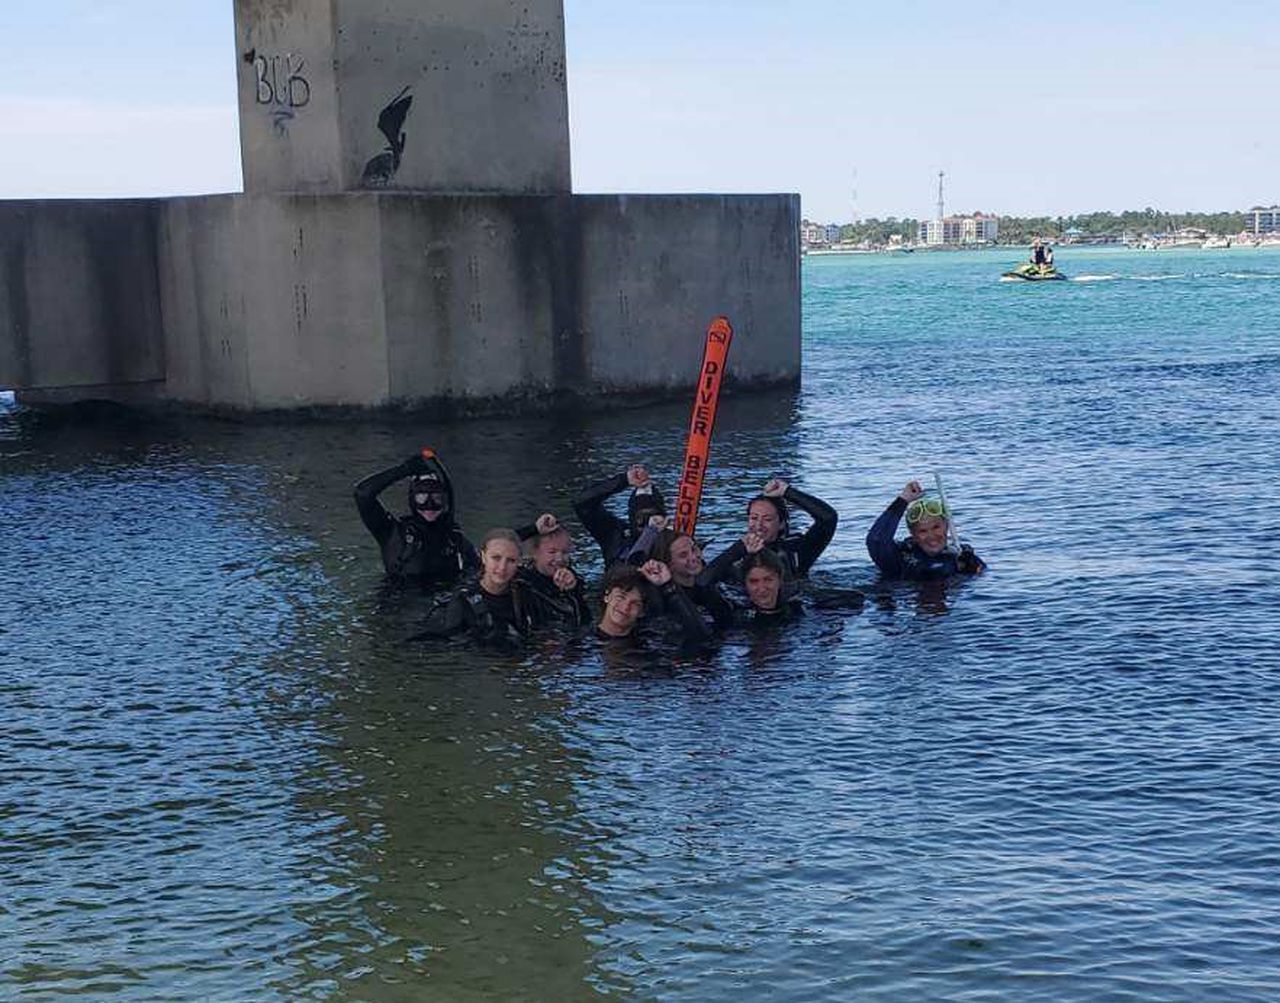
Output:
x,y
702,424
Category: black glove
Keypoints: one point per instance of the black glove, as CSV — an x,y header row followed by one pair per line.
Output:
x,y
968,563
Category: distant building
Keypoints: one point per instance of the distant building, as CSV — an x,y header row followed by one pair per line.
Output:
x,y
812,234
979,228
1259,220
832,233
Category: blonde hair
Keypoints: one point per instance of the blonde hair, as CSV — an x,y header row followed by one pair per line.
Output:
x,y
501,533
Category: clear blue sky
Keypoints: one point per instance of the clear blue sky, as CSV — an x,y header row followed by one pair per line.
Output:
x,y
1090,106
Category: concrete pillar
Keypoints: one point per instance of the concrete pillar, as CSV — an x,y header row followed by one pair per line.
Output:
x,y
447,96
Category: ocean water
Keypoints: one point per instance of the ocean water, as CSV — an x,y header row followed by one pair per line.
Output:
x,y
226,774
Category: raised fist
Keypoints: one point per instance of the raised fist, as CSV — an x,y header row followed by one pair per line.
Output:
x,y
911,491
546,523
776,488
657,572
637,476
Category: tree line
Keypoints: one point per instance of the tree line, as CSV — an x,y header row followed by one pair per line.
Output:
x,y
1021,229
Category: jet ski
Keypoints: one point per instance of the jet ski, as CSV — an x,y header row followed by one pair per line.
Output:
x,y
1033,273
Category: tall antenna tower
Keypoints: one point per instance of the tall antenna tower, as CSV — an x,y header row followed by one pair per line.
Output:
x,y
941,214
855,196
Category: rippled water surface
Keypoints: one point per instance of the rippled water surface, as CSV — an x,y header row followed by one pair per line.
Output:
x,y
226,774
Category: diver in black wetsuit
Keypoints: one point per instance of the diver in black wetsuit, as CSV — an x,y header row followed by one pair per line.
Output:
x,y
770,599
624,595
681,553
769,518
615,537
425,547
923,556
495,607
551,583
1038,253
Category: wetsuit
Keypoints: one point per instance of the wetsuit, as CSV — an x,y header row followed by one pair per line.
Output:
x,y
435,554
905,559
614,536
552,604
706,598
677,606
787,611
469,609
555,606
797,551
1037,255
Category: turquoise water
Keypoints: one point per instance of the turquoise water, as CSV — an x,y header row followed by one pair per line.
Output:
x,y
228,776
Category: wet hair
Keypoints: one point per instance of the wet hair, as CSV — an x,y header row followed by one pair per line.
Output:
x,y
625,577
780,506
767,559
641,506
661,550
534,543
501,533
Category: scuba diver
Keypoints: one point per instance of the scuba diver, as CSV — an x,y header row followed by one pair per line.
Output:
x,y
924,555
615,537
770,598
764,578
681,553
1037,253
495,607
552,584
769,518
426,547
624,594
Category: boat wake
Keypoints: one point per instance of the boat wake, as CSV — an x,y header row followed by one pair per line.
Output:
x,y
1094,278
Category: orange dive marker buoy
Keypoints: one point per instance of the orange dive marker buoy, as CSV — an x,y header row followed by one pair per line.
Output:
x,y
702,424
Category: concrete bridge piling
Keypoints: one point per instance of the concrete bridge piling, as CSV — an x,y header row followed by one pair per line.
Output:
x,y
407,236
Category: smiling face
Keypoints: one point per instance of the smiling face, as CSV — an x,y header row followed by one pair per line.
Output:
x,y
686,561
930,534
552,552
622,608
763,587
499,560
762,518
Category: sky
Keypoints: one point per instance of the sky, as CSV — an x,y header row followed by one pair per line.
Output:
x,y
1030,109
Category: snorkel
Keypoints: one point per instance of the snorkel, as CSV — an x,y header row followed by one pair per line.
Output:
x,y
952,533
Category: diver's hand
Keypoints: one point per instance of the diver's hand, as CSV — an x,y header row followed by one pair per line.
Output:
x,y
753,542
564,579
637,476
657,572
658,521
776,488
546,523
968,562
911,491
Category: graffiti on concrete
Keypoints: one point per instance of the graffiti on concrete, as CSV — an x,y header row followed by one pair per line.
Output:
x,y
379,171
280,85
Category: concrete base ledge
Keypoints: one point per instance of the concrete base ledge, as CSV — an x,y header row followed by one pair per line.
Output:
x,y
401,301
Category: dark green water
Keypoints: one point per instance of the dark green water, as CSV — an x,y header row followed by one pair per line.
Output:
x,y
227,776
